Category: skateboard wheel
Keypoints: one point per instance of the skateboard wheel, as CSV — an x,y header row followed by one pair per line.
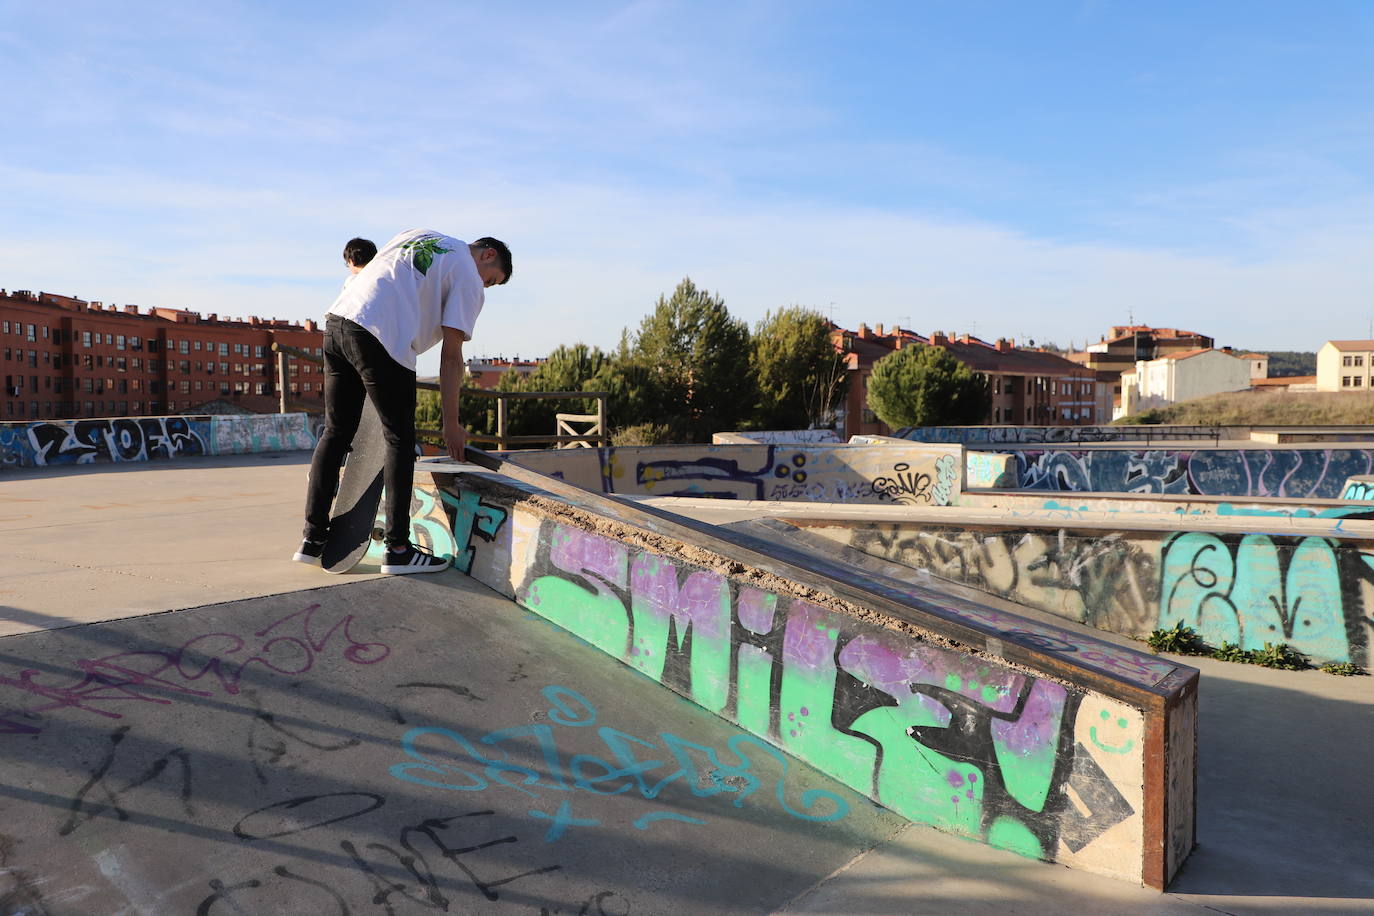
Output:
x,y
378,534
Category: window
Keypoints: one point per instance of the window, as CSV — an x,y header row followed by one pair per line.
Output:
x,y
197,346
1346,361
119,341
33,358
135,343
223,349
185,346
85,338
6,326
1358,381
224,368
1345,381
1359,360
259,351
185,387
33,335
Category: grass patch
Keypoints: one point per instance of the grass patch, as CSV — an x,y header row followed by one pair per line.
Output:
x,y
1264,408
1342,669
1184,640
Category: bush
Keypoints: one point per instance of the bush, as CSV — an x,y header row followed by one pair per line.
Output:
x,y
644,434
1178,639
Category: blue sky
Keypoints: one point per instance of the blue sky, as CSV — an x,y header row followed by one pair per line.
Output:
x,y
1038,170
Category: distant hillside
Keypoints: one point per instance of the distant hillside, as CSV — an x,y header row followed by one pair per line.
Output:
x,y
1288,363
1266,408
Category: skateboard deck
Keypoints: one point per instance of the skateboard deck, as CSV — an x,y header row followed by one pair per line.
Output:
x,y
354,523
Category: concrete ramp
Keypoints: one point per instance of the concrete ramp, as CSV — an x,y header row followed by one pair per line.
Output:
x,y
393,746
974,720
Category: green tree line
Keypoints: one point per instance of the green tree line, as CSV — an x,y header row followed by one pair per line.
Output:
x,y
688,370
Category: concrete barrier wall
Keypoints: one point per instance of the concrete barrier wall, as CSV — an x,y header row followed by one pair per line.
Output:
x,y
1012,435
1020,435
776,437
978,722
1302,472
989,469
1101,506
887,474
120,439
1311,587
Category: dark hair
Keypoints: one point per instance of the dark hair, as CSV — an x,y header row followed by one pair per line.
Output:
x,y
359,251
502,253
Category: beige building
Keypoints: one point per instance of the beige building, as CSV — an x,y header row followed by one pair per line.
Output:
x,y
1344,365
1183,376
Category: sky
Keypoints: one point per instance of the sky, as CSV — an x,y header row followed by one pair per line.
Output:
x,y
1040,171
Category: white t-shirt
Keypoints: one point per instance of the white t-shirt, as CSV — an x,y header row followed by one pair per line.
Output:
x,y
419,283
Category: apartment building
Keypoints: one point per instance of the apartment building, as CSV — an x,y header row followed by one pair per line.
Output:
x,y
1029,387
62,357
1345,365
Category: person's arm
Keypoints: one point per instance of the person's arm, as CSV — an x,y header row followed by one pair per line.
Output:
x,y
451,369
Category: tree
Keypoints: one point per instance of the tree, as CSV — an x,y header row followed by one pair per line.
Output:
x,y
688,367
926,386
800,373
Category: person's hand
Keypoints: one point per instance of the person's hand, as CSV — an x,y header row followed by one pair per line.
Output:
x,y
456,439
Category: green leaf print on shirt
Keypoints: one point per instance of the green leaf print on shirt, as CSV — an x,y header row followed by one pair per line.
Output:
x,y
423,252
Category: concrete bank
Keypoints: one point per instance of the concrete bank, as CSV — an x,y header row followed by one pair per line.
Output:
x,y
978,722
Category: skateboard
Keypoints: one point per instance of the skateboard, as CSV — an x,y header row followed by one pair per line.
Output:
x,y
353,526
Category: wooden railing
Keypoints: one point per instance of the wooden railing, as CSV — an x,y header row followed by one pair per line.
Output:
x,y
563,437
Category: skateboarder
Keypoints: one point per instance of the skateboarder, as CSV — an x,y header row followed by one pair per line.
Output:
x,y
422,287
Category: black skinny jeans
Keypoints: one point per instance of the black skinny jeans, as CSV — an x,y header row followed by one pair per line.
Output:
x,y
357,366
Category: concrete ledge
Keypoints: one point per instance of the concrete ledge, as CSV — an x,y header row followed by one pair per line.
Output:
x,y
978,722
906,473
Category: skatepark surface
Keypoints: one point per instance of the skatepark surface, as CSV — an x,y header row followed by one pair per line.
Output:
x,y
193,724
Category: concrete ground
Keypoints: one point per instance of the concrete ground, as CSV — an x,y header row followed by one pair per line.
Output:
x,y
251,756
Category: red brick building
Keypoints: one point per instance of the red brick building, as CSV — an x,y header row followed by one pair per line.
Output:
x,y
486,373
1029,387
62,357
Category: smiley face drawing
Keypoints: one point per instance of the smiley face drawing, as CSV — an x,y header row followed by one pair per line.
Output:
x,y
1117,742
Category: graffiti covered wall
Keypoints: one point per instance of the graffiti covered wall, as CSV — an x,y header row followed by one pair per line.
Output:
x,y
916,475
1294,472
965,743
1315,593
1360,488
120,439
1011,435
